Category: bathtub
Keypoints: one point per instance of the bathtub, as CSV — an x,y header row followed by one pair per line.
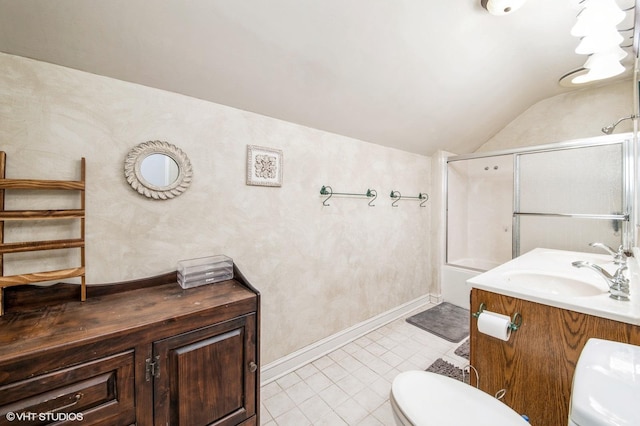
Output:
x,y
454,276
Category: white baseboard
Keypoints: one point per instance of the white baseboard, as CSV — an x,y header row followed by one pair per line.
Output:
x,y
280,367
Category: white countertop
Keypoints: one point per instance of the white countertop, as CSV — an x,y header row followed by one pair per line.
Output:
x,y
542,262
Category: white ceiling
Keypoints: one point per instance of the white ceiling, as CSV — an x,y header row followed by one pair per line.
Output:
x,y
418,75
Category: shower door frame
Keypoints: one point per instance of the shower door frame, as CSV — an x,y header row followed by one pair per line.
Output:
x,y
627,218
624,218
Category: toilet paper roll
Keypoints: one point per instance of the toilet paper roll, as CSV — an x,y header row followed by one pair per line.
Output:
x,y
495,325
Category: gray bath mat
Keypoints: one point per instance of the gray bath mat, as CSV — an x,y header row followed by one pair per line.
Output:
x,y
444,368
463,350
445,320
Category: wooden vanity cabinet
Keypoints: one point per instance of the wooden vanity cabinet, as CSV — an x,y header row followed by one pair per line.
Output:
x,y
146,352
535,366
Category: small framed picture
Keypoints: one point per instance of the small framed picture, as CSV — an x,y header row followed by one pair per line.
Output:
x,y
264,166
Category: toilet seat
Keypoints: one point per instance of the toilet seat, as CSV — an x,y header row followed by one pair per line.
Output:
x,y
423,398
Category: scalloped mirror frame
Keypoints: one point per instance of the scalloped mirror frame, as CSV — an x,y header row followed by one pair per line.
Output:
x,y
132,172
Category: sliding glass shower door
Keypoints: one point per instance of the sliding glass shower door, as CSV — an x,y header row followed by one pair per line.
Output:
x,y
479,211
562,196
567,198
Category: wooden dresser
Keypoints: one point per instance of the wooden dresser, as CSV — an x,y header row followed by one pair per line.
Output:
x,y
144,352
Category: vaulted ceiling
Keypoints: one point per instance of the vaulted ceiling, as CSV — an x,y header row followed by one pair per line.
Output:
x,y
417,75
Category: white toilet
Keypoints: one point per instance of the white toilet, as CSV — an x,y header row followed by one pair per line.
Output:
x,y
606,391
606,385
420,398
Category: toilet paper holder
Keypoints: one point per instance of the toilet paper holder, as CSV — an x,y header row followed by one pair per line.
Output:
x,y
516,319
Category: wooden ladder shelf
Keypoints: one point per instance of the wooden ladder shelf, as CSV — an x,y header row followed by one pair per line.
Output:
x,y
29,246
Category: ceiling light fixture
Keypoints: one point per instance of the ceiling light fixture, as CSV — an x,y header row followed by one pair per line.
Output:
x,y
502,7
596,25
600,41
597,16
599,70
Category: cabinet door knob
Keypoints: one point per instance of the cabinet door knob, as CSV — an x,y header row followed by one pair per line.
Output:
x,y
253,367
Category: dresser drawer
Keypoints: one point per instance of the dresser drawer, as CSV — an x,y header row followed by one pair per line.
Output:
x,y
96,392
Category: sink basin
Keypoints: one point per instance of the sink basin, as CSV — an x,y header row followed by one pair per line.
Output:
x,y
547,276
559,285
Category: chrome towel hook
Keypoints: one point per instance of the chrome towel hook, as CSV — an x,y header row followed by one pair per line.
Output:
x,y
423,196
397,196
372,193
326,190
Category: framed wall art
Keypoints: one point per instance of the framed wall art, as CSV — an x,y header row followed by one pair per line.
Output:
x,y
264,166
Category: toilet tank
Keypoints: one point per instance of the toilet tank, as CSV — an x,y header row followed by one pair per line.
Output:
x,y
606,385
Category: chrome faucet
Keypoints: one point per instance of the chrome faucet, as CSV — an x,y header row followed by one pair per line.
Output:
x,y
618,283
619,258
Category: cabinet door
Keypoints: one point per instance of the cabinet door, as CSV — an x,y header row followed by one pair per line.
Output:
x,y
207,376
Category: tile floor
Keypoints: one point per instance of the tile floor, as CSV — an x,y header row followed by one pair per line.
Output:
x,y
350,386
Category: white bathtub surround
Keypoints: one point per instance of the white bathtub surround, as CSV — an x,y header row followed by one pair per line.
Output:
x,y
474,264
479,208
454,285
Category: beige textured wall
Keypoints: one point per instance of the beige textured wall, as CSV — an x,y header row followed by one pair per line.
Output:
x,y
320,269
574,115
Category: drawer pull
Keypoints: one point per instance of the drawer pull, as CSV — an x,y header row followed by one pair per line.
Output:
x,y
253,367
78,397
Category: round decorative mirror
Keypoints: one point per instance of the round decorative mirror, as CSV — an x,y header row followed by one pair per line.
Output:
x,y
158,170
